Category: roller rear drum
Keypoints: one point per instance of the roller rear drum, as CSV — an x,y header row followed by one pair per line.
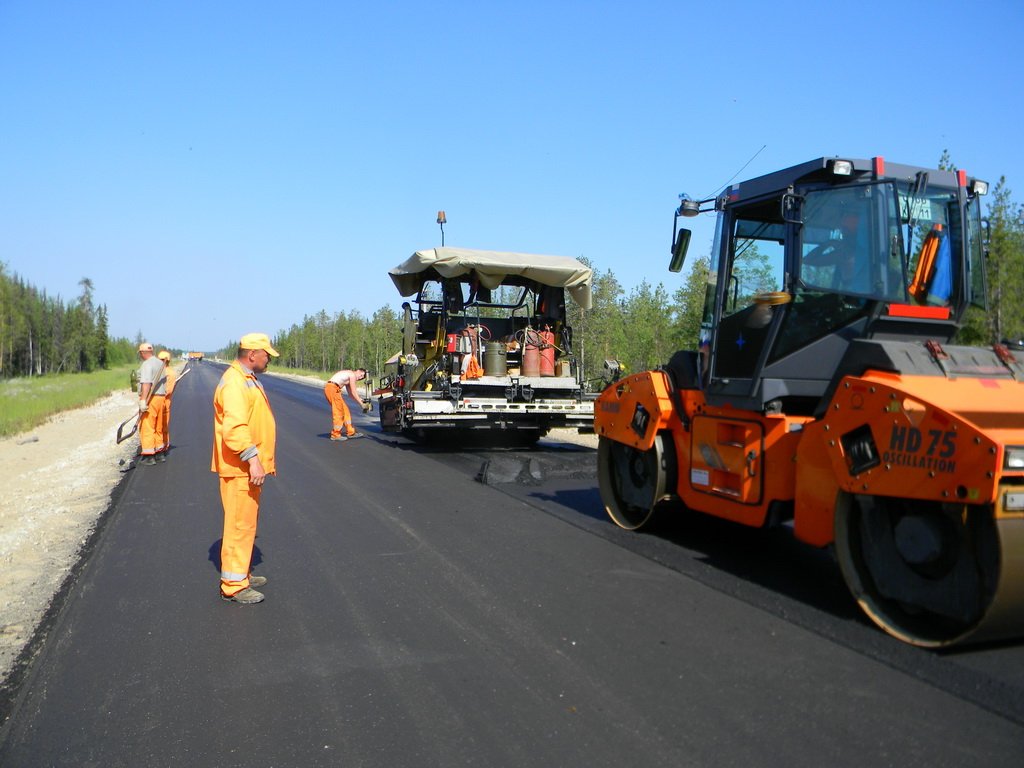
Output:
x,y
932,574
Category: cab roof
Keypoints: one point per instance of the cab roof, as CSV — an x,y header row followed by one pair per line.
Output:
x,y
820,169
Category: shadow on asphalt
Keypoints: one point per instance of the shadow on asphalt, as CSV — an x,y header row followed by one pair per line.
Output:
x,y
694,543
768,557
214,556
561,479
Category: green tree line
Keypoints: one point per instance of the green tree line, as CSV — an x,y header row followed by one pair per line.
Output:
x,y
327,342
42,334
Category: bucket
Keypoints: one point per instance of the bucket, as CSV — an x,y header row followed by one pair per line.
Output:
x,y
494,359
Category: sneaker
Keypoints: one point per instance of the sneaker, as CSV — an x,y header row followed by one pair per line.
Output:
x,y
354,435
339,438
257,581
149,461
247,596
161,458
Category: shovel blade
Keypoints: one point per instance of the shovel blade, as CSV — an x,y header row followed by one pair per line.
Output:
x,y
121,434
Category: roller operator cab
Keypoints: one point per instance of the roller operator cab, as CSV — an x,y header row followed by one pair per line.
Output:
x,y
487,351
826,395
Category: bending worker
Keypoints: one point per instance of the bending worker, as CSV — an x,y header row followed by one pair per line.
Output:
x,y
334,390
244,434
152,391
165,417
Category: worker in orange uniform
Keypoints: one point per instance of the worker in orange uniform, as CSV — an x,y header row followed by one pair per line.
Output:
x,y
334,391
244,434
165,418
152,391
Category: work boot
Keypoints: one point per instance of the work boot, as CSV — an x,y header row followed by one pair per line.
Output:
x,y
149,461
257,581
247,596
354,435
339,438
161,458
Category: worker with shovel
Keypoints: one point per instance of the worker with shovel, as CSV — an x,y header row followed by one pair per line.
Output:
x,y
152,391
334,390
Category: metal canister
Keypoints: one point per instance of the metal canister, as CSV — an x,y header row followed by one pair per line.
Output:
x,y
494,359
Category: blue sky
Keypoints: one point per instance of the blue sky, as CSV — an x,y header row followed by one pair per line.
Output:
x,y
221,167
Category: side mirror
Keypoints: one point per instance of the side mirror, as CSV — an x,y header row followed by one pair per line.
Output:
x,y
679,249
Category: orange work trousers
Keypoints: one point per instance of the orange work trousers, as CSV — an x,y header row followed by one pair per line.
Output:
x,y
165,424
341,417
150,434
241,502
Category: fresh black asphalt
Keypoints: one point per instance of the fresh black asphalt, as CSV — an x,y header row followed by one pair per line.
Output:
x,y
416,617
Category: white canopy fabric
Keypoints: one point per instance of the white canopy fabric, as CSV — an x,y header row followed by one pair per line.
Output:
x,y
492,267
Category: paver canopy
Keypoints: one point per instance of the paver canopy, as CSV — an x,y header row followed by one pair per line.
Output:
x,y
494,268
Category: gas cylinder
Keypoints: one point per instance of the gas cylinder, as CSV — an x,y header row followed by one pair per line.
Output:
x,y
531,352
547,352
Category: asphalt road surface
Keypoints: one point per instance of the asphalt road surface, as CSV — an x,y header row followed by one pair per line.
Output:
x,y
444,608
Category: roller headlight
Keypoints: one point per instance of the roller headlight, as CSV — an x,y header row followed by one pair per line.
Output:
x,y
1014,458
841,167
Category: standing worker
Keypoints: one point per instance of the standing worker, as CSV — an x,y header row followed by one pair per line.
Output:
x,y
152,391
165,417
334,390
244,433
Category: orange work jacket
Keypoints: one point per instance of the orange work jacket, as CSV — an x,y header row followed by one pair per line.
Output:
x,y
242,420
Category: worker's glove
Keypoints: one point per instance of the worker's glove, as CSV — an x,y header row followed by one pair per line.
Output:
x,y
143,407
367,406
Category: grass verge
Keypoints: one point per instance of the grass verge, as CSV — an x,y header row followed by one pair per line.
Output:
x,y
28,401
324,376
